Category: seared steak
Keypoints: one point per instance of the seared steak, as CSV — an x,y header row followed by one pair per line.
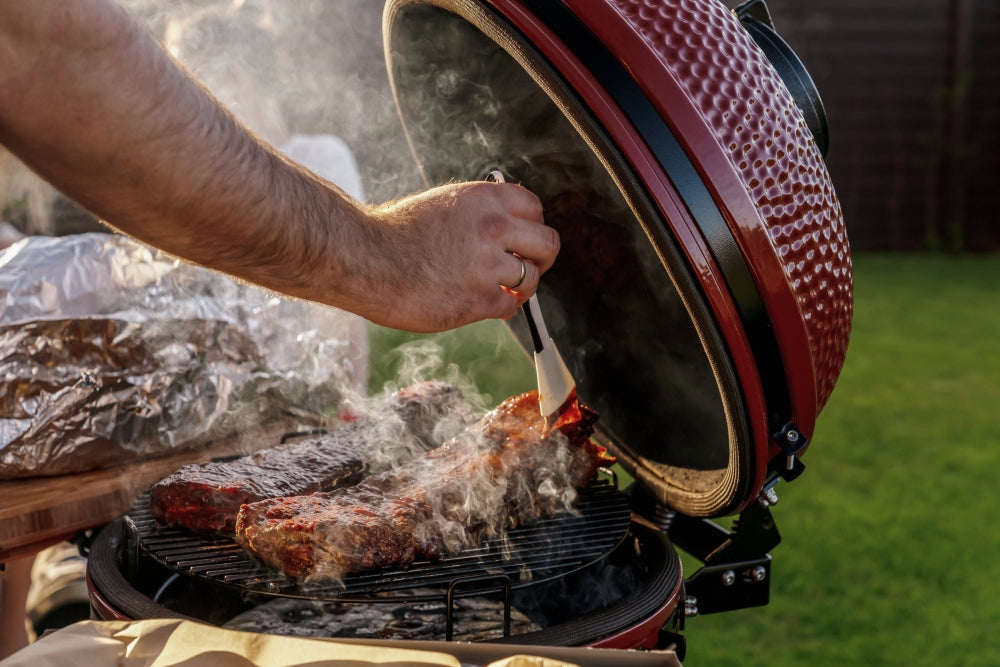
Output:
x,y
205,497
506,469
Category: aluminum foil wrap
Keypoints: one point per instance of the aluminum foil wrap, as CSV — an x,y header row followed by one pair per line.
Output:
x,y
112,352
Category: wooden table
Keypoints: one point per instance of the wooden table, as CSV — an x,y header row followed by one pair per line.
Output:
x,y
36,513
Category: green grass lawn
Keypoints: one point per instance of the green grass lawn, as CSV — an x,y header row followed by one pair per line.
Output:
x,y
891,551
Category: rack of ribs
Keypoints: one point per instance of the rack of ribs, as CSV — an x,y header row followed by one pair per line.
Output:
x,y
508,469
205,497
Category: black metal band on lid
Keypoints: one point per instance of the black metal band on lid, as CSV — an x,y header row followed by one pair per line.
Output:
x,y
756,19
680,169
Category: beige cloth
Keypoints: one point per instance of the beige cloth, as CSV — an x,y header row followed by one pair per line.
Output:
x,y
176,643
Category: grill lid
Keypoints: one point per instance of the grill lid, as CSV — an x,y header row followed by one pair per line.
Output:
x,y
702,296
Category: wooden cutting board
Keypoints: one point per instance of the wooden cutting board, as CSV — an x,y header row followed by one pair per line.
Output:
x,y
36,513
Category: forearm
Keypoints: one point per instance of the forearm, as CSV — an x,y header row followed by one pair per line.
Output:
x,y
91,102
96,107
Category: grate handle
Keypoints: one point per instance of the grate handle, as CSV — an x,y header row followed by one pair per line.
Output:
x,y
449,626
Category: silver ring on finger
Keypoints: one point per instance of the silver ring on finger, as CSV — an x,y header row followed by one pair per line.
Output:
x,y
520,278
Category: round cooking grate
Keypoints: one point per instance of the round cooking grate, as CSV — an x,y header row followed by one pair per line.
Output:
x,y
546,550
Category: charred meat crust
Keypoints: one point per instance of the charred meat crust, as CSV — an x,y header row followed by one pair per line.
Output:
x,y
206,497
505,470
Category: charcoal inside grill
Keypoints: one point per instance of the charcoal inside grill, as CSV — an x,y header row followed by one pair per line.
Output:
x,y
526,556
475,619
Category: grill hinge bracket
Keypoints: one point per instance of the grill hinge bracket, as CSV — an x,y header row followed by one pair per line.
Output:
x,y
737,566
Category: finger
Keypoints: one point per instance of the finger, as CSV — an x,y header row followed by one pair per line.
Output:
x,y
508,303
521,202
522,272
527,235
533,242
528,287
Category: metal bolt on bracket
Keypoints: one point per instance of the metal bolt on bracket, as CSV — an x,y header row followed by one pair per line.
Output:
x,y
690,606
728,578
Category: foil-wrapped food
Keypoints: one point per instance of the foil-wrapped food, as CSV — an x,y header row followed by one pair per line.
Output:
x,y
112,352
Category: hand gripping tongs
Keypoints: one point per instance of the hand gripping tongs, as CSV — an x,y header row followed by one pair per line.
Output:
x,y
556,386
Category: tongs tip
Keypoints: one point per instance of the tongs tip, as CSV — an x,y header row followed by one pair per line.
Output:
x,y
556,385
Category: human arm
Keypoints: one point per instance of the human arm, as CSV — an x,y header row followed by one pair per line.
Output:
x,y
92,103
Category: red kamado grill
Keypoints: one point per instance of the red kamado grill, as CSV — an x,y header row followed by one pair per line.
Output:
x,y
702,300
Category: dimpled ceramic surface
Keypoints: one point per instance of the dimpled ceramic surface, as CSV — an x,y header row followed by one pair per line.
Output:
x,y
767,142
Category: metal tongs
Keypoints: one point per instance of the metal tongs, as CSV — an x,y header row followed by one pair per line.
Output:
x,y
556,386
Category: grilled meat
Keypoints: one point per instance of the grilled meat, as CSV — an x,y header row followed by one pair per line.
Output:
x,y
205,497
505,470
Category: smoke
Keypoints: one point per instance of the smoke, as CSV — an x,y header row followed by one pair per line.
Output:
x,y
286,68
501,472
283,68
425,358
468,491
25,199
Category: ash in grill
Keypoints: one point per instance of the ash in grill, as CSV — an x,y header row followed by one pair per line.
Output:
x,y
469,619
